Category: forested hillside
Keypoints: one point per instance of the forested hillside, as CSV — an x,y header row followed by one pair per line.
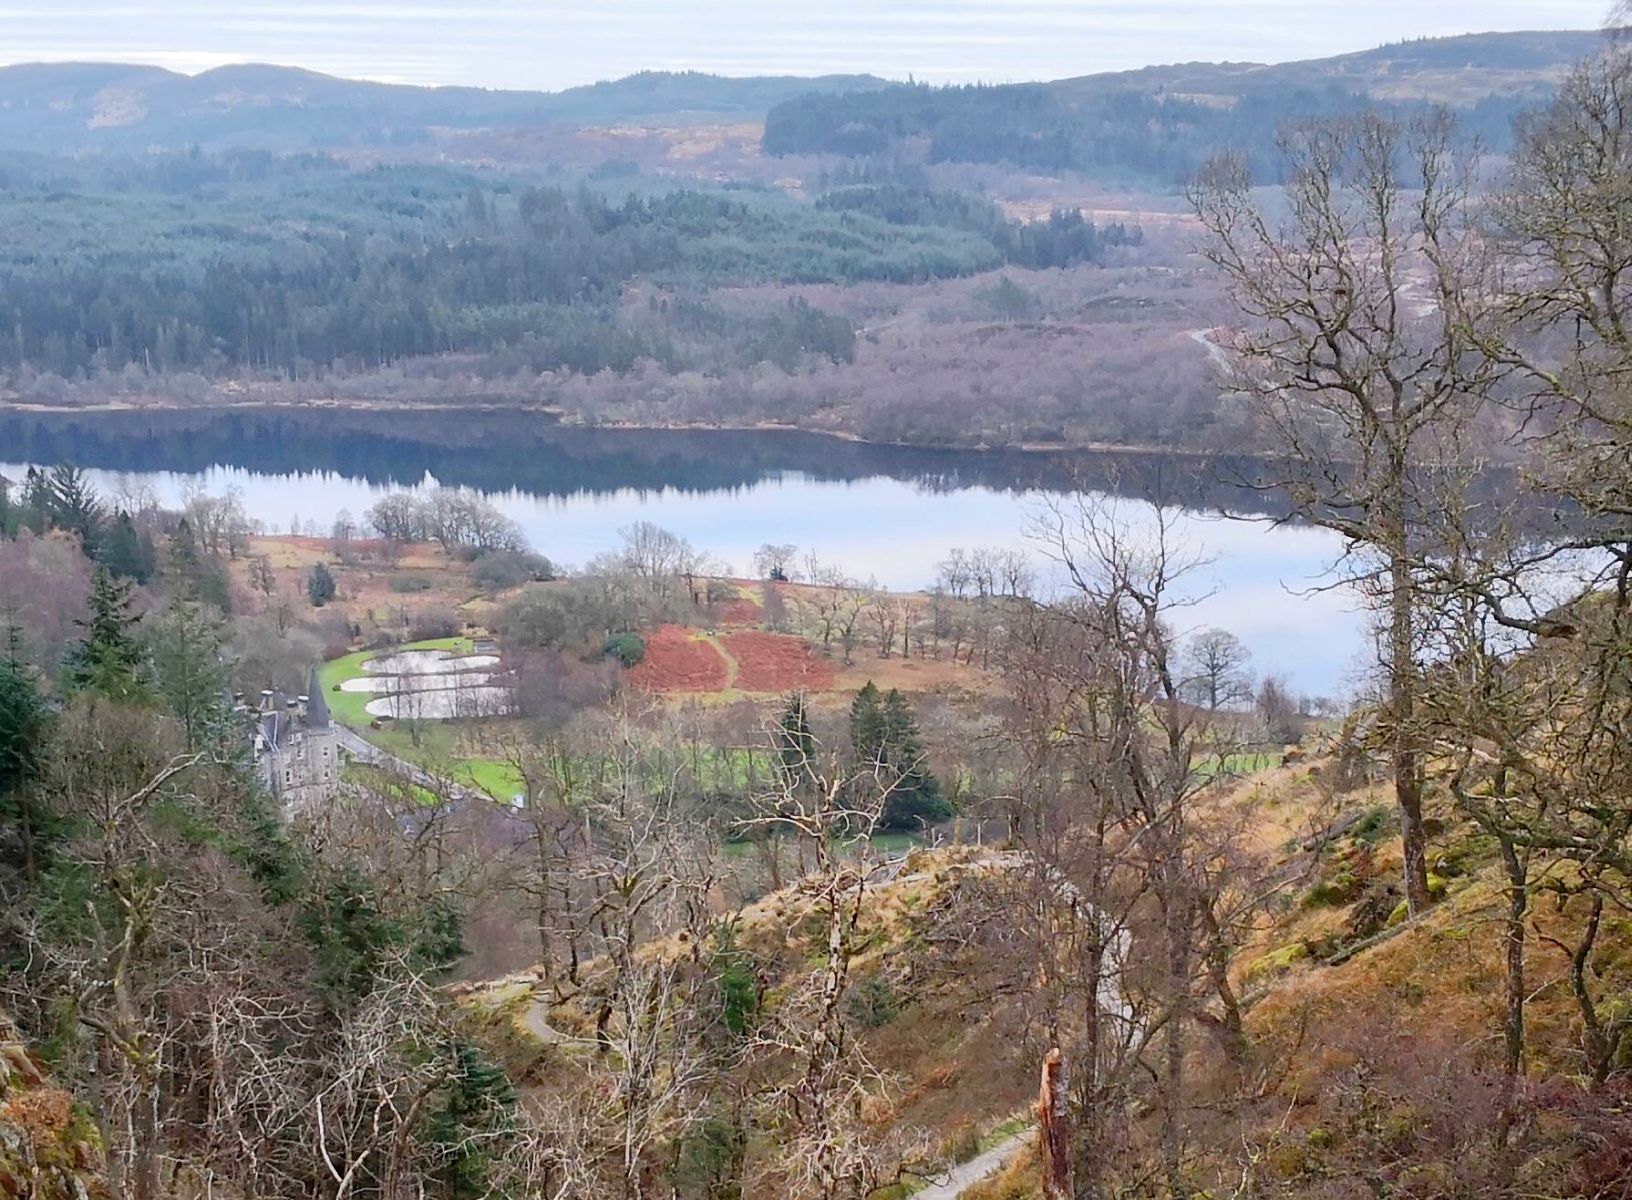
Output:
x,y
248,261
975,266
1124,135
1159,124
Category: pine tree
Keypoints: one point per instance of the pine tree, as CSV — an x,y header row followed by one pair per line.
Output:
x,y
884,738
72,504
184,549
320,585
124,551
867,727
917,799
796,745
190,672
36,501
108,659
23,718
477,1110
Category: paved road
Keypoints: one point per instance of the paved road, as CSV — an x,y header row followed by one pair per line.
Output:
x,y
365,751
966,1175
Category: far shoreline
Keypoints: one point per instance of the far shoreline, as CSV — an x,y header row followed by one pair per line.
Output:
x,y
559,419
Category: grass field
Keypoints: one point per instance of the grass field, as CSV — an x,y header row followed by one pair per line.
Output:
x,y
436,745
351,708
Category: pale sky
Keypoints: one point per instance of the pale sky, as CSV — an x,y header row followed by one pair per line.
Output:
x,y
547,44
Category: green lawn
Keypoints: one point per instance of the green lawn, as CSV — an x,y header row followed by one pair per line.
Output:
x,y
350,708
437,744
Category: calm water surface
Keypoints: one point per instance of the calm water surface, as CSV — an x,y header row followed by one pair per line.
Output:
x,y
876,512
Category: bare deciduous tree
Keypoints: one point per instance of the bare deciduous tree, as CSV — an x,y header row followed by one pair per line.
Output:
x,y
1216,669
1360,359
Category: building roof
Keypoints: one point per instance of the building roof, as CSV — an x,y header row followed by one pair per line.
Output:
x,y
317,706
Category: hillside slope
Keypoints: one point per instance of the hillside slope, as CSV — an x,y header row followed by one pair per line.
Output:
x,y
1159,124
1373,1041
50,107
1452,70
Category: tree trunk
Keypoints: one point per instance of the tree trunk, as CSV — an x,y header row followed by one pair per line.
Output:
x,y
1600,1048
1518,903
144,1134
1232,1031
1405,754
1178,986
1053,1133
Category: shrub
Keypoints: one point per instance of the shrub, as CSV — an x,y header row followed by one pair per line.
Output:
x,y
711,1157
1371,827
511,568
961,1143
627,648
874,1003
434,623
737,982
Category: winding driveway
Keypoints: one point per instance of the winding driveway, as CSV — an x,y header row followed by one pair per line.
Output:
x,y
365,751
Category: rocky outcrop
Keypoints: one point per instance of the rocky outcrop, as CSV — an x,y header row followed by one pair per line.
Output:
x,y
48,1146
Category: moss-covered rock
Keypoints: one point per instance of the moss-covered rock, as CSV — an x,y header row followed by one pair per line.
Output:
x,y
1277,961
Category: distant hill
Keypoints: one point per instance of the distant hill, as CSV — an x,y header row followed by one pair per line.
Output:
x,y
77,107
1158,124
1457,71
49,107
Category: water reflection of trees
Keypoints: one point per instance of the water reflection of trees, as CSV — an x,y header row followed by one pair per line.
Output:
x,y
502,452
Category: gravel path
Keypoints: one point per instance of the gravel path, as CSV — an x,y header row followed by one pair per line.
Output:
x,y
966,1175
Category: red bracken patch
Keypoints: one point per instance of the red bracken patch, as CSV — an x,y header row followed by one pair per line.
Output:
x,y
741,611
677,662
776,662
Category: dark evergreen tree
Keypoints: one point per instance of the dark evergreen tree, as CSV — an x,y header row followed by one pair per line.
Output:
x,y
916,800
36,501
795,744
477,1111
183,549
72,504
867,727
109,658
320,585
354,936
190,672
126,552
193,571
23,719
884,739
